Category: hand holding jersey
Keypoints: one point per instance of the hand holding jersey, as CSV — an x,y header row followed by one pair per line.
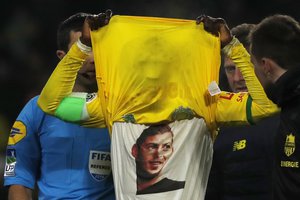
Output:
x,y
217,27
92,23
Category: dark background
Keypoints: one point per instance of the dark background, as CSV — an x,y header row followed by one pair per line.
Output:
x,y
28,38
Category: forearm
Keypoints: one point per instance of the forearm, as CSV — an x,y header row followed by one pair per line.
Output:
x,y
19,192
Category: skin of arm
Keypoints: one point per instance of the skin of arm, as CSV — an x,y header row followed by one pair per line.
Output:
x,y
19,192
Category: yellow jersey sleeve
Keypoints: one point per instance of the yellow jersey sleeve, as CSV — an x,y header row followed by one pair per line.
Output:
x,y
57,98
243,107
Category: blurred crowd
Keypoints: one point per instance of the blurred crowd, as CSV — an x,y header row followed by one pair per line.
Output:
x,y
28,35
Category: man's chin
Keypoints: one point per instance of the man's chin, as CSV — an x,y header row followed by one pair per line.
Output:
x,y
147,176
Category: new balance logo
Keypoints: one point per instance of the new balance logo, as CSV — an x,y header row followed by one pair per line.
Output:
x,y
239,145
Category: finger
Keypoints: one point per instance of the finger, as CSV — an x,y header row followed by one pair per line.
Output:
x,y
93,18
108,13
101,16
98,21
218,21
90,20
210,27
200,19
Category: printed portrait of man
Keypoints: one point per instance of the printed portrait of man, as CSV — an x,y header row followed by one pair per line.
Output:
x,y
151,151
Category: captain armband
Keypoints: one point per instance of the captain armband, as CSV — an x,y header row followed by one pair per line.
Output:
x,y
73,108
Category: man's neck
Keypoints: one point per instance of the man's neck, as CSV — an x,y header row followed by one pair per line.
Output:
x,y
143,184
79,88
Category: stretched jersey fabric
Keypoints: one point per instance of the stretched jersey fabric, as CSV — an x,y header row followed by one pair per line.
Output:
x,y
147,66
66,161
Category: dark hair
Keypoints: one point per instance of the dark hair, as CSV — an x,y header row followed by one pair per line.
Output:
x,y
242,32
152,130
73,23
277,37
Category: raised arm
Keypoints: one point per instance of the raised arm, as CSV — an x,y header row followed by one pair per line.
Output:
x,y
238,107
57,97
